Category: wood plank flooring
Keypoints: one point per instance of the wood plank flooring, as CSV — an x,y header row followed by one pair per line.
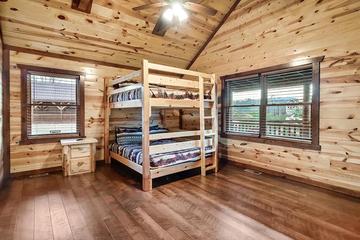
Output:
x,y
231,205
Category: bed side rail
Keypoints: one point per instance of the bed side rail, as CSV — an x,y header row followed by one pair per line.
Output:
x,y
130,76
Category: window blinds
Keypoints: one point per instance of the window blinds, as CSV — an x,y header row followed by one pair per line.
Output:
x,y
271,105
288,108
52,104
243,107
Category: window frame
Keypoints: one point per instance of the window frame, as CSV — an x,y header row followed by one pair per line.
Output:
x,y
25,138
315,105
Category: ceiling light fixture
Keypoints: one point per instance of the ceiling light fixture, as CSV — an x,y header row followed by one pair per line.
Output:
x,y
175,11
179,11
168,15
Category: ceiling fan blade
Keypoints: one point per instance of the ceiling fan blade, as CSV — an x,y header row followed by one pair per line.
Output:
x,y
199,8
150,5
161,27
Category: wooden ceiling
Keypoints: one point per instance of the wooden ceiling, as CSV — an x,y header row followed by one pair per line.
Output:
x,y
112,32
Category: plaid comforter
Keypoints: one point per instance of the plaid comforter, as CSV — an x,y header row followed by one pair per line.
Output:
x,y
157,92
134,153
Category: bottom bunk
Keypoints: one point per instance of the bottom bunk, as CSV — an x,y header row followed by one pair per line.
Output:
x,y
161,164
163,171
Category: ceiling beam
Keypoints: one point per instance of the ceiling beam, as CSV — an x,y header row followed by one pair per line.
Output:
x,y
82,5
67,57
227,15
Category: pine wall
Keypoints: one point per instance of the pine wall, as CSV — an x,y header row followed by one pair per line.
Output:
x,y
48,155
265,33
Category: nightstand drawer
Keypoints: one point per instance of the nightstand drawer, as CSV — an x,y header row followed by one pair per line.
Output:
x,y
79,151
80,165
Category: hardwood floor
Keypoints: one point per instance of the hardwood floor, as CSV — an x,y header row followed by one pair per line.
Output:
x,y
232,205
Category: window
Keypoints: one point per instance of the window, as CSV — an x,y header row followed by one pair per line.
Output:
x,y
52,105
277,105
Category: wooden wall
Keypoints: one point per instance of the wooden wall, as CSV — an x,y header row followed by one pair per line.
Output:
x,y
266,33
39,156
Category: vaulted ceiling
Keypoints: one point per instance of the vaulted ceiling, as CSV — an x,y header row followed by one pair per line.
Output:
x,y
112,32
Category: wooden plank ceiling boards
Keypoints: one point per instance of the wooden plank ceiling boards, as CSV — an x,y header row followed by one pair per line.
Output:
x,y
112,32
212,35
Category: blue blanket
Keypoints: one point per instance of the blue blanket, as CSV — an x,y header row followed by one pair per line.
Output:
x,y
133,152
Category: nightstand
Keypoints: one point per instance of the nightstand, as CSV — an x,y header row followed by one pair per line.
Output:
x,y
78,155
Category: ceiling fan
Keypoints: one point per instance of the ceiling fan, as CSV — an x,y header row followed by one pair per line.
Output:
x,y
174,12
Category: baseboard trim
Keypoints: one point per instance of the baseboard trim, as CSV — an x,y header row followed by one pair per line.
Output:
x,y
36,172
100,162
46,170
326,186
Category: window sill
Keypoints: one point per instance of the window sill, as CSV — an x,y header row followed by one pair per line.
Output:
x,y
42,140
272,141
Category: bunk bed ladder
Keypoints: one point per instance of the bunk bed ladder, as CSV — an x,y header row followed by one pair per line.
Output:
x,y
213,134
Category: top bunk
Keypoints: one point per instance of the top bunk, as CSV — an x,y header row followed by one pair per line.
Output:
x,y
160,86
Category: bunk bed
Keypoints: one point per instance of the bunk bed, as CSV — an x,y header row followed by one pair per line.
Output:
x,y
154,151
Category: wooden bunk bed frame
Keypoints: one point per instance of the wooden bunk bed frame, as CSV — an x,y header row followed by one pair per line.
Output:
x,y
146,103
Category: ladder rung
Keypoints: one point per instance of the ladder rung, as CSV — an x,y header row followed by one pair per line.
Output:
x,y
210,151
210,167
209,117
208,100
209,134
208,83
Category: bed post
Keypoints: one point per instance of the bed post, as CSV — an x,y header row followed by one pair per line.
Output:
x,y
202,127
146,108
215,124
106,121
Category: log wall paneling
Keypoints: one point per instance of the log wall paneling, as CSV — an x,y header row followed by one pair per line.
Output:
x,y
265,33
40,156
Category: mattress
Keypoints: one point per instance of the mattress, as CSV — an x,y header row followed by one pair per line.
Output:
x,y
157,92
133,152
133,135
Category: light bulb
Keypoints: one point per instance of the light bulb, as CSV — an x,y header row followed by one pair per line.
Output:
x,y
182,15
168,15
176,7
179,11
